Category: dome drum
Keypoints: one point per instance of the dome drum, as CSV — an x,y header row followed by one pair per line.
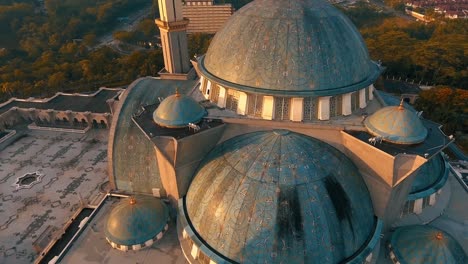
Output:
x,y
427,185
282,107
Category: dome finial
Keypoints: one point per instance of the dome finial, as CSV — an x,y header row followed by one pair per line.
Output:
x,y
401,107
439,236
177,94
132,200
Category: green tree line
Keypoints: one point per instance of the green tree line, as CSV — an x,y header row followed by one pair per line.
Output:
x,y
51,48
435,53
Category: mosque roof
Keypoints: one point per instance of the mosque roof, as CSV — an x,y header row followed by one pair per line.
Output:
x,y
270,196
425,244
304,47
95,103
396,124
178,110
135,221
430,177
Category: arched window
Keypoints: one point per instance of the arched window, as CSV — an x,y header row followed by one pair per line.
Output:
x,y
232,100
310,108
282,105
255,105
214,93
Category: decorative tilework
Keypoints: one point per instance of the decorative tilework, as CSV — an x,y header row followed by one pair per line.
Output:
x,y
290,48
266,196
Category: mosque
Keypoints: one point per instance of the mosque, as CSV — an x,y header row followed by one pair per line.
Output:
x,y
275,147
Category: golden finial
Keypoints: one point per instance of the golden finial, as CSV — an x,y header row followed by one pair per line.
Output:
x,y
439,236
132,200
177,94
401,107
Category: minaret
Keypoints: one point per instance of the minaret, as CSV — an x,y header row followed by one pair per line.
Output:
x,y
174,40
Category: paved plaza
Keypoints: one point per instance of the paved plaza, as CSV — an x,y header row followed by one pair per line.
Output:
x,y
92,247
44,176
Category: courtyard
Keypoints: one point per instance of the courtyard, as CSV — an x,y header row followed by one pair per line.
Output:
x,y
45,177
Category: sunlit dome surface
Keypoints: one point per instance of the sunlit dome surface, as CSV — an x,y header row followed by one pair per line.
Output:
x,y
134,222
426,245
396,124
279,196
301,47
178,110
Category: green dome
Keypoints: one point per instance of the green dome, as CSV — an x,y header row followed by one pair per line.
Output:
x,y
178,110
276,196
396,124
303,47
426,245
135,221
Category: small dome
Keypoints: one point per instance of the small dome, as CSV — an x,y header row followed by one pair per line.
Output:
x,y
178,110
268,197
426,245
304,47
396,124
429,174
136,221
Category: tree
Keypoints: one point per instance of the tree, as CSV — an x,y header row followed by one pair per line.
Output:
x,y
56,81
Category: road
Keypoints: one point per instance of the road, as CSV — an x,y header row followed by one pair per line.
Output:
x,y
129,25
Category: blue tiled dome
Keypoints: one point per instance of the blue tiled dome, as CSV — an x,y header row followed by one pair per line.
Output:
x,y
430,177
134,222
279,196
178,110
303,47
426,245
396,124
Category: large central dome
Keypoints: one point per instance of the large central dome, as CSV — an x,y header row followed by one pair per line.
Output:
x,y
279,196
287,47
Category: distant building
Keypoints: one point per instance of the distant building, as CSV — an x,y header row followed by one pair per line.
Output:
x,y
206,16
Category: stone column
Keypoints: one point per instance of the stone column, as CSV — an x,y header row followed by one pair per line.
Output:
x,y
268,107
371,92
362,98
346,104
208,89
297,109
432,199
418,206
70,116
51,113
202,84
324,108
222,97
242,103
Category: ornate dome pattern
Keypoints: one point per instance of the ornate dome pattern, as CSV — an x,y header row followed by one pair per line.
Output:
x,y
396,124
286,47
178,110
268,197
426,245
134,222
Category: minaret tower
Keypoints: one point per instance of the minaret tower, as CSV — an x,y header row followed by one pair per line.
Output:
x,y
173,40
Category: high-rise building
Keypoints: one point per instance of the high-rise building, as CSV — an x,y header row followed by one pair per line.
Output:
x,y
206,16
